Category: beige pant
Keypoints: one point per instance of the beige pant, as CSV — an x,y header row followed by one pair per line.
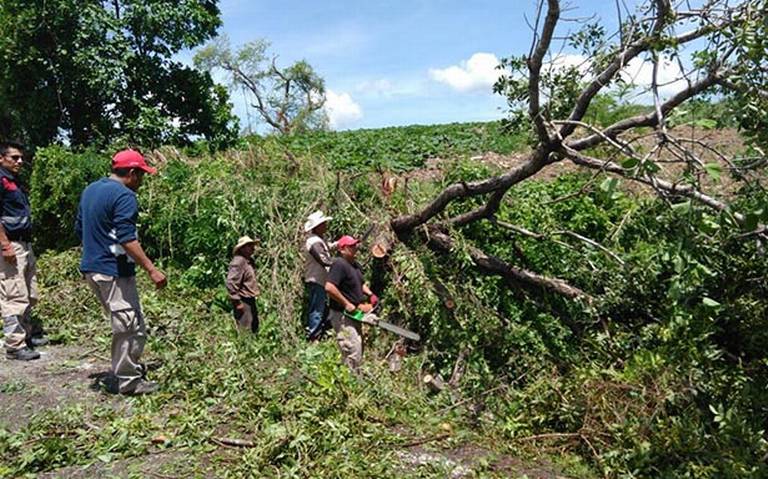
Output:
x,y
18,294
120,300
349,336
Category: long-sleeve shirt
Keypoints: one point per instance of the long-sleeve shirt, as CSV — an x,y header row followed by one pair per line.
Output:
x,y
241,279
16,217
106,219
317,259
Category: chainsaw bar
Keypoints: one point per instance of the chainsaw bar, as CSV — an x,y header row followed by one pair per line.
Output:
x,y
374,320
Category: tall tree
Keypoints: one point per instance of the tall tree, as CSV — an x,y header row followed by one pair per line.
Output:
x,y
92,71
288,99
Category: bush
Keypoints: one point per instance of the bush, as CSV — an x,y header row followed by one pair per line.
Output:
x,y
58,176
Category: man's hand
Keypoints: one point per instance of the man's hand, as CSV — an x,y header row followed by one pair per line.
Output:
x,y
158,277
365,307
350,308
373,299
9,255
240,306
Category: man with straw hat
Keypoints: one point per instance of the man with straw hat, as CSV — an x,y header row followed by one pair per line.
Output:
x,y
242,286
317,260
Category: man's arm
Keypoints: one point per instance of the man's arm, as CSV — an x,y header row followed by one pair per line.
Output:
x,y
336,295
135,251
9,255
126,209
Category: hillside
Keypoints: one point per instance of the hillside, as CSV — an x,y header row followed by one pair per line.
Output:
x,y
660,376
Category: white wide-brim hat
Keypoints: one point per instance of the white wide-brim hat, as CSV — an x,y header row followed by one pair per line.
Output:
x,y
244,240
314,220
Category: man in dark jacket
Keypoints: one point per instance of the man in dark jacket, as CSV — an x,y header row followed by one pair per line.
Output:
x,y
106,224
18,283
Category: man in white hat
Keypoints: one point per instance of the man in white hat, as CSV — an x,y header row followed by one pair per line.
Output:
x,y
242,286
317,260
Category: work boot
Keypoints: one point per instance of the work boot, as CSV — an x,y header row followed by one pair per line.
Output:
x,y
144,387
23,354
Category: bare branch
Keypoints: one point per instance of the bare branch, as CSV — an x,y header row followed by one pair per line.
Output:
x,y
649,119
403,225
667,187
572,234
488,264
534,70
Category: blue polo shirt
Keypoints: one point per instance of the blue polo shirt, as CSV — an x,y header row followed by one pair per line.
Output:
x,y
106,218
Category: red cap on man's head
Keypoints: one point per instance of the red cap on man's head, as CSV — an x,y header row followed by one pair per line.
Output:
x,y
131,159
346,240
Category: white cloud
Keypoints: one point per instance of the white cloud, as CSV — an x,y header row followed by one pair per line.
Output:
x,y
638,72
477,73
380,87
341,109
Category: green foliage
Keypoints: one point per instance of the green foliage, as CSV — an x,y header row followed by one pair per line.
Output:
x,y
93,72
400,148
58,177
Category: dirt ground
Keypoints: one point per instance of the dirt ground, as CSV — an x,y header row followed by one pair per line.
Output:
x,y
63,375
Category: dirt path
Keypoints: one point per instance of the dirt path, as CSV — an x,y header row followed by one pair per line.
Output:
x,y
63,376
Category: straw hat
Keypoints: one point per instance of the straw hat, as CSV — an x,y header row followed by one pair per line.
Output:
x,y
244,240
314,220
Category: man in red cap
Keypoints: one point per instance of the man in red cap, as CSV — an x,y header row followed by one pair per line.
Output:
x,y
348,292
106,225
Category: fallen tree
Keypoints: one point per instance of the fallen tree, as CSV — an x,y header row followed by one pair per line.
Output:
x,y
717,48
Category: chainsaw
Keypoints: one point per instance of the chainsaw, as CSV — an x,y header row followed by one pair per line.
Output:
x,y
373,320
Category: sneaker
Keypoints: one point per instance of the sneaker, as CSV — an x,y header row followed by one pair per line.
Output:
x,y
144,387
23,354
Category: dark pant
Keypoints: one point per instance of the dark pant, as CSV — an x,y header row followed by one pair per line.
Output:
x,y
248,318
316,310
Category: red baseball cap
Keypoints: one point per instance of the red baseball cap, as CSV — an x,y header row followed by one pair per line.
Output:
x,y
131,159
346,240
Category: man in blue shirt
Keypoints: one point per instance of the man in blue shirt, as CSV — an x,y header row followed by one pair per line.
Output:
x,y
18,285
106,225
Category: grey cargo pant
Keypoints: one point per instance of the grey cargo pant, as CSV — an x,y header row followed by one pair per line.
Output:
x,y
349,336
120,300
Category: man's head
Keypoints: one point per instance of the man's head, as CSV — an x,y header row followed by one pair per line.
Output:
x,y
317,223
245,246
130,166
347,246
11,156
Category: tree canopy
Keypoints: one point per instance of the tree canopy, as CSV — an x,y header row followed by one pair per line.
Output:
x,y
93,71
288,99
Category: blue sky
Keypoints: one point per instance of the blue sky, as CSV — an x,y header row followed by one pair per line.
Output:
x,y
395,62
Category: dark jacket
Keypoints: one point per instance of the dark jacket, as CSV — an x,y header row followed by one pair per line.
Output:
x,y
16,215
